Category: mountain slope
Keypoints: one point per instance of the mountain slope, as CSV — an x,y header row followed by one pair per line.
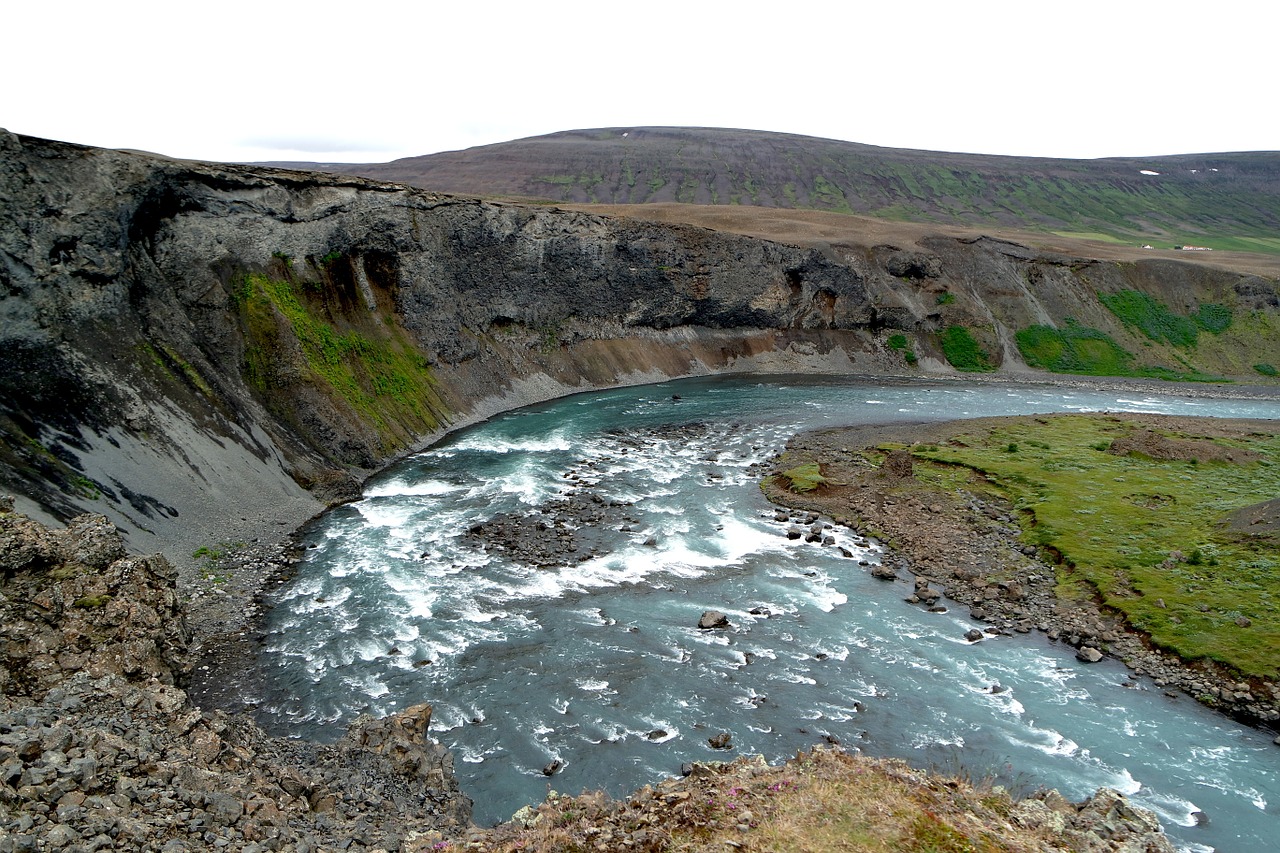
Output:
x,y
1223,201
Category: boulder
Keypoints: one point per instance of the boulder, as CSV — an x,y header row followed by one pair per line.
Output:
x,y
713,619
973,635
724,740
1088,654
897,464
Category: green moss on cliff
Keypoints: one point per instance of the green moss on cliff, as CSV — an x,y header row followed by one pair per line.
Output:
x,y
1073,349
963,352
372,370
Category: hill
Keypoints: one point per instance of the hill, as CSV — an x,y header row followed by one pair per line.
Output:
x,y
1218,201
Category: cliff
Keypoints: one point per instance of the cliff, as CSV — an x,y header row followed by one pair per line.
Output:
x,y
203,352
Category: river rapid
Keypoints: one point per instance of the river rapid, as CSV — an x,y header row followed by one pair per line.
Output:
x,y
598,664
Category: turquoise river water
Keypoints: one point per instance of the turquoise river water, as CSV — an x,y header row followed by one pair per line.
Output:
x,y
599,664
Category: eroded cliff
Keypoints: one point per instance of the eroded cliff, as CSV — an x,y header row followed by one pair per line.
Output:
x,y
202,351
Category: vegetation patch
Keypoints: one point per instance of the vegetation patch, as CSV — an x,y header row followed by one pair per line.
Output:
x,y
1213,318
378,375
804,478
1266,369
963,352
1152,317
1073,349
819,801
1148,534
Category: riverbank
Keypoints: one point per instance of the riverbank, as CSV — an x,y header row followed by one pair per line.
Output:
x,y
960,538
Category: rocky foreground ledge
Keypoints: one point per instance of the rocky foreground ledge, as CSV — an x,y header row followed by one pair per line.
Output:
x,y
102,749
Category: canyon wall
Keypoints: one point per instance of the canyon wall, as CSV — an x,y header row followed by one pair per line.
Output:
x,y
203,352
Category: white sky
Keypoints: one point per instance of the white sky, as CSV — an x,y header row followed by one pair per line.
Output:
x,y
375,80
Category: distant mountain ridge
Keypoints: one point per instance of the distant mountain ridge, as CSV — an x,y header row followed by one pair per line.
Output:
x,y
1222,201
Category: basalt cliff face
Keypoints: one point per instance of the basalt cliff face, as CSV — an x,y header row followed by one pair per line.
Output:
x,y
200,351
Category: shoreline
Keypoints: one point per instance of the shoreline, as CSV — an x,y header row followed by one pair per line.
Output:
x,y
945,547
228,597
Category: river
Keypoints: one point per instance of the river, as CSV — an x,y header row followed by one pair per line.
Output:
x,y
599,665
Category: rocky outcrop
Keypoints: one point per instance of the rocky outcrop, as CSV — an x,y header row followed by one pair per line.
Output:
x,y
749,805
205,353
101,749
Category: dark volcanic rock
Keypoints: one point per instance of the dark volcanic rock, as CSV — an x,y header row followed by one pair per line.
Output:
x,y
92,645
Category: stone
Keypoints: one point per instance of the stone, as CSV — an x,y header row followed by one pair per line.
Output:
x,y
973,635
898,463
712,619
724,740
551,767
1088,654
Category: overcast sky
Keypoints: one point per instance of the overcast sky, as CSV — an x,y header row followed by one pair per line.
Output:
x,y
374,80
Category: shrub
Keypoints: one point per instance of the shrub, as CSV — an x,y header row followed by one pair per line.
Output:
x,y
897,342
1265,369
946,298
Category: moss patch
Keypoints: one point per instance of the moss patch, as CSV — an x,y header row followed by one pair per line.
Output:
x,y
1073,349
963,352
372,370
1151,317
804,478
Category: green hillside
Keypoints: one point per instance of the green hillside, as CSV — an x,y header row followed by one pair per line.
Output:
x,y
1219,201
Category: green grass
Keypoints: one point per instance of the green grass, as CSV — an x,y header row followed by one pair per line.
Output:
x,y
379,375
1092,235
1265,369
963,352
946,298
1073,349
1151,317
897,342
804,478
1128,525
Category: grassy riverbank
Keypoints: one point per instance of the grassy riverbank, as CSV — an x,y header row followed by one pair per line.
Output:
x,y
1145,519
1151,538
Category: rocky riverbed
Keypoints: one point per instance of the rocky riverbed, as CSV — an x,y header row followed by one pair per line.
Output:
x,y
968,549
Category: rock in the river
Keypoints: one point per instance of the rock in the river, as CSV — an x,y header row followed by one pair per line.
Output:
x,y
973,635
551,768
713,619
1088,654
724,740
